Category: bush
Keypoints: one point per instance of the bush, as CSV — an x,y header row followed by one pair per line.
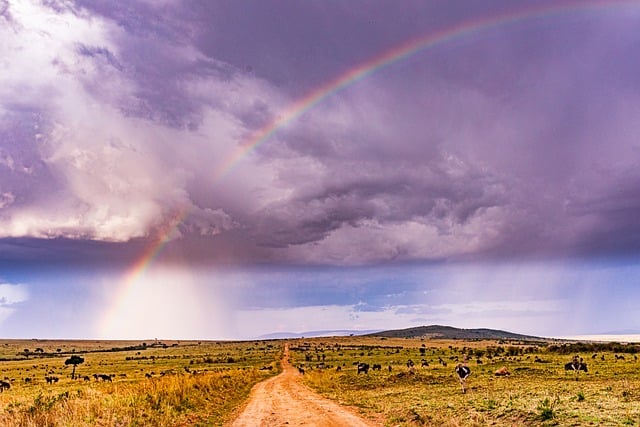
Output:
x,y
547,408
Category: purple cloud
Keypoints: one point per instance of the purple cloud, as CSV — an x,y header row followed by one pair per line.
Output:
x,y
515,140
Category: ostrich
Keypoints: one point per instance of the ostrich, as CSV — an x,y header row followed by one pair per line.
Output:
x,y
576,365
463,373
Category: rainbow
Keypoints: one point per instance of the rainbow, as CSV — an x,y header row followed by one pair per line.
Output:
x,y
135,272
385,59
162,237
394,55
353,75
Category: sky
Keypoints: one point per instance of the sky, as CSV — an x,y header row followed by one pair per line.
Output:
x,y
227,169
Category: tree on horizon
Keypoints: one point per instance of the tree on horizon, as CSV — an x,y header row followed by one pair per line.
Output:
x,y
75,361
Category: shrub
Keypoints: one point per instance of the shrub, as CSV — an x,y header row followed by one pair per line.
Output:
x,y
547,408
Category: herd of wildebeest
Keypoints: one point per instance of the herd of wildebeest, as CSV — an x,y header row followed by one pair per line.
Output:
x,y
462,370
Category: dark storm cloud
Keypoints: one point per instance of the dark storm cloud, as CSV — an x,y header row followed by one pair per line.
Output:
x,y
384,193
515,140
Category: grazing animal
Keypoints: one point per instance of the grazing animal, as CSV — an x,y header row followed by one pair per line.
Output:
x,y
576,366
424,363
103,377
363,367
147,375
4,385
463,373
376,367
390,368
410,363
301,370
51,380
502,372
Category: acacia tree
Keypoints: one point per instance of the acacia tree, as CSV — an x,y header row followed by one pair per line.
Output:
x,y
75,361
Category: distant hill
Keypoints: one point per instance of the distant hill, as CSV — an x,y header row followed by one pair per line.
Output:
x,y
314,334
622,332
449,332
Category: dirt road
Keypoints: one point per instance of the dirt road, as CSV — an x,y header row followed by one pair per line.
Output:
x,y
284,401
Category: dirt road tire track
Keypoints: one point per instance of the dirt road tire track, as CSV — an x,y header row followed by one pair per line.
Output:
x,y
283,401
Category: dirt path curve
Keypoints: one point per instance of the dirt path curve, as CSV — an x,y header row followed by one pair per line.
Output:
x,y
283,401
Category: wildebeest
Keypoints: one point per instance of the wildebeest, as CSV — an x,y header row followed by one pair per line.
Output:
x,y
51,380
463,373
363,367
4,385
301,370
103,377
376,367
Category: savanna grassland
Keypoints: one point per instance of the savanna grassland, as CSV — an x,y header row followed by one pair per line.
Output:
x,y
538,390
155,383
185,383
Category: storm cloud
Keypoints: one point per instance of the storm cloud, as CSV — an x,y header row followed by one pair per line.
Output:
x,y
513,140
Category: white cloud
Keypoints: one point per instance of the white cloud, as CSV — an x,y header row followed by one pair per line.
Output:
x,y
113,175
10,295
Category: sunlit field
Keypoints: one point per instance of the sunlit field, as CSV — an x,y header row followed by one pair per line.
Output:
x,y
538,390
155,383
184,383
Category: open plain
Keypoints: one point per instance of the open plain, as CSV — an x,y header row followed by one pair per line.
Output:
x,y
409,382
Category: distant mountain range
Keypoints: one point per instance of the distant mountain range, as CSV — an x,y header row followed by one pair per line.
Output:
x,y
432,331
622,332
449,332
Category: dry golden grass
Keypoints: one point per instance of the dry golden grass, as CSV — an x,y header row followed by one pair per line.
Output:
x,y
188,383
535,394
205,383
